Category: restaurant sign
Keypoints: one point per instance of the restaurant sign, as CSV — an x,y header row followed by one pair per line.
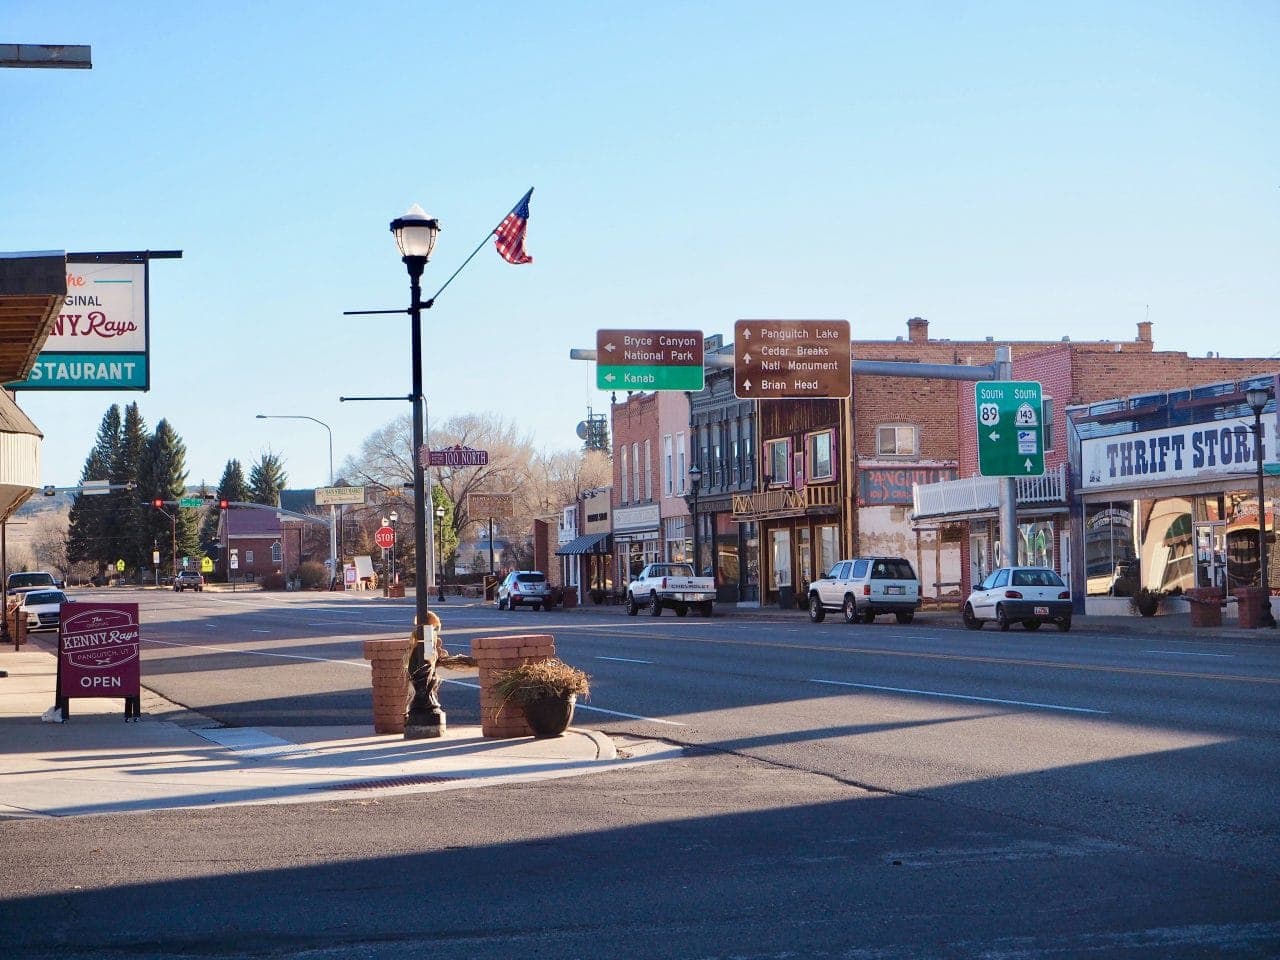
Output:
x,y
98,653
99,340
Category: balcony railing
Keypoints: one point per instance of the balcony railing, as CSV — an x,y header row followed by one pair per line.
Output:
x,y
982,494
784,503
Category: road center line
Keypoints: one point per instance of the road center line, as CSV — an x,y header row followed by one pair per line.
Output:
x,y
1185,653
624,660
256,653
961,696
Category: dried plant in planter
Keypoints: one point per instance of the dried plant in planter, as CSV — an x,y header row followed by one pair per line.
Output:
x,y
546,678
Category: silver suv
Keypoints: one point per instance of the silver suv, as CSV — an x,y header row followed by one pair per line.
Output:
x,y
524,588
865,587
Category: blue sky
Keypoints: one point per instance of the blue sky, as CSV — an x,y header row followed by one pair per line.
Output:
x,y
1014,170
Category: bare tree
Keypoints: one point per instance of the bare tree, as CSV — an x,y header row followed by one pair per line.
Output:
x,y
49,531
540,483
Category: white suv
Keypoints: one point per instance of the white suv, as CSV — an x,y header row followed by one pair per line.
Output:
x,y
865,587
524,587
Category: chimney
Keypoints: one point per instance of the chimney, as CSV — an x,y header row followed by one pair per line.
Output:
x,y
1144,331
918,330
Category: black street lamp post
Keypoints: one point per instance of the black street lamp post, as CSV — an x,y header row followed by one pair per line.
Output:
x,y
1257,399
440,553
416,234
695,483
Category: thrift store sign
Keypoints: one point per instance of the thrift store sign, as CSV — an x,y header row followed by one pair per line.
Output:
x,y
1225,447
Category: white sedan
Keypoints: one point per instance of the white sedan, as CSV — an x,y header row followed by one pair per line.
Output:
x,y
42,608
1027,595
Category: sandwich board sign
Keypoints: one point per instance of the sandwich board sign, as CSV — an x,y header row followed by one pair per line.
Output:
x,y
99,654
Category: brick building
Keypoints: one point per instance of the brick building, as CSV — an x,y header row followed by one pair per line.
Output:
x,y
637,525
964,511
904,431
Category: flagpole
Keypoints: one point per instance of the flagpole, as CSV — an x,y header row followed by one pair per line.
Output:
x,y
479,247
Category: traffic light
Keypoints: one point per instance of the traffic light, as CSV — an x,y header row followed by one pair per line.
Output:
x,y
224,504
158,503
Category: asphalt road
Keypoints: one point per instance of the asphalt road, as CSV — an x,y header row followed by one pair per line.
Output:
x,y
847,791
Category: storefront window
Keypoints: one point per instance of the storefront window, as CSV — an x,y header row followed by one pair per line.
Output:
x,y
728,569
1035,544
1109,554
1167,550
780,557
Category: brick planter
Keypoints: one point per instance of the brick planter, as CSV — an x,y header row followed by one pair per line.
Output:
x,y
390,662
1249,601
495,654
1206,606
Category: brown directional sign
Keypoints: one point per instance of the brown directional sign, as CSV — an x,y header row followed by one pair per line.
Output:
x,y
791,359
649,360
498,506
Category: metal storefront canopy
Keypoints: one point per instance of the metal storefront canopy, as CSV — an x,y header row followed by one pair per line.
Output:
x,y
597,543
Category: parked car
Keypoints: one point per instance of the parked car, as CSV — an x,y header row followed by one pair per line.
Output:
x,y
863,588
42,608
524,588
31,580
188,580
1027,595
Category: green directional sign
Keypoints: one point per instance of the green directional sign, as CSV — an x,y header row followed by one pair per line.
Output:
x,y
1010,428
191,502
649,360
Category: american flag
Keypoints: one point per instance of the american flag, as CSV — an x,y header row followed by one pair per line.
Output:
x,y
510,233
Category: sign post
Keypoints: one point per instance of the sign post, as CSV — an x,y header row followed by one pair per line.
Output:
x,y
649,360
1010,428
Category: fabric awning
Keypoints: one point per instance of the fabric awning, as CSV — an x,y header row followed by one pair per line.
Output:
x,y
589,543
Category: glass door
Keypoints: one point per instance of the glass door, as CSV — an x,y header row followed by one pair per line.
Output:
x,y
1211,555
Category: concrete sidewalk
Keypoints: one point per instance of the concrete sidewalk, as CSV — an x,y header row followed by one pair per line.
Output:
x,y
96,763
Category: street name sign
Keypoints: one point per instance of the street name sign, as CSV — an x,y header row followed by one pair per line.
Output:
x,y
1010,428
191,502
649,360
455,456
330,496
791,359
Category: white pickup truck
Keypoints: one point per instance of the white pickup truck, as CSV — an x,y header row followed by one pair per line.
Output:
x,y
670,585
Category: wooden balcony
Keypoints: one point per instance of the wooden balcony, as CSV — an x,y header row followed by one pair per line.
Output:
x,y
771,504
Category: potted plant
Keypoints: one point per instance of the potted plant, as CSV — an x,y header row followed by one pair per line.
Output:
x,y
1146,601
547,690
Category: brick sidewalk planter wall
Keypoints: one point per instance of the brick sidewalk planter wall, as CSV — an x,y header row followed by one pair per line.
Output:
x,y
495,654
1249,601
1206,606
390,662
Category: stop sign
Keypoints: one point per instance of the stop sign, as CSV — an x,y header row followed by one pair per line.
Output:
x,y
385,538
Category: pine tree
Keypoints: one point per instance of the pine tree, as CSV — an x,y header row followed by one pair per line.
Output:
x,y
164,476
231,487
130,508
90,534
267,479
